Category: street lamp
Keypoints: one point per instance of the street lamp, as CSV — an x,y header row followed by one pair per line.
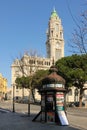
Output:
x,y
13,97
76,94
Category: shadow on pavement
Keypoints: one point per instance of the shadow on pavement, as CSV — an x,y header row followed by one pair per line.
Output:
x,y
48,126
21,121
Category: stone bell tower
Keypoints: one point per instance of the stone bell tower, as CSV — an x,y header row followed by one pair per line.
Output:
x,y
55,40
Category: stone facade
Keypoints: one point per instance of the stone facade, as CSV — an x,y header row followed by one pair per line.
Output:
x,y
54,48
55,40
31,64
3,87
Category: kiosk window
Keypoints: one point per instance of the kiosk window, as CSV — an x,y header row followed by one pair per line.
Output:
x,y
49,103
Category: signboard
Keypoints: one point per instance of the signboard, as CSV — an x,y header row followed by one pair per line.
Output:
x,y
63,118
50,117
54,85
50,85
60,108
60,101
59,85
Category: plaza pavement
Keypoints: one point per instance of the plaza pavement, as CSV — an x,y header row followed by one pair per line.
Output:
x,y
16,121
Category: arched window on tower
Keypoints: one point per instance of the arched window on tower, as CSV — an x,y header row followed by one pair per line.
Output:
x,y
52,33
61,35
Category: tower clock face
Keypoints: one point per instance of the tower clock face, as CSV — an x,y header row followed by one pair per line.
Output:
x,y
58,45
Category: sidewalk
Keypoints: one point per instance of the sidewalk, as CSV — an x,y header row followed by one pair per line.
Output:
x,y
80,122
15,121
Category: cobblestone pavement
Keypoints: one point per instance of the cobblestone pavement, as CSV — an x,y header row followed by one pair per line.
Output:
x,y
20,121
15,121
78,117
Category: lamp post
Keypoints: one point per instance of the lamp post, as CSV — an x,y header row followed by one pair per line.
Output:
x,y
76,94
13,97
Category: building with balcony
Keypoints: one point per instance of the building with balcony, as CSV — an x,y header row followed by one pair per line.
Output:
x,y
3,87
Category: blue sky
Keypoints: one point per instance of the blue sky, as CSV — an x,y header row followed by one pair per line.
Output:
x,y
23,25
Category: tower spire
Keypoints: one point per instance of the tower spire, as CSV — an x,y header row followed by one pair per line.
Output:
x,y
54,9
54,13
55,41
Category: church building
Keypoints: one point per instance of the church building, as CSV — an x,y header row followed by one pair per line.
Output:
x,y
54,50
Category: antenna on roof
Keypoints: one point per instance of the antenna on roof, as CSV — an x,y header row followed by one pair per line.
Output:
x,y
54,9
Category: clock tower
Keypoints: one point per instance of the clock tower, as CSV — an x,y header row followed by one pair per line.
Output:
x,y
55,40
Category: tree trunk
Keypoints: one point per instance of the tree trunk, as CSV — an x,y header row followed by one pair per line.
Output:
x,y
29,103
33,95
80,97
22,92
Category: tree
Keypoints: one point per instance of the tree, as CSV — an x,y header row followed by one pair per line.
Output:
x,y
26,67
78,42
37,78
79,35
74,71
22,82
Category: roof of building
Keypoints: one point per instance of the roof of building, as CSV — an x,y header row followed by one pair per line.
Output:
x,y
54,13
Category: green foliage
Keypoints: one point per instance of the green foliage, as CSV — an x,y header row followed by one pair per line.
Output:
x,y
73,69
33,81
22,82
37,78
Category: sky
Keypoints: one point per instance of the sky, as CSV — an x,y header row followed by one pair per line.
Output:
x,y
23,25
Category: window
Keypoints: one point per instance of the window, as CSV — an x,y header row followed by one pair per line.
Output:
x,y
70,93
58,54
61,35
52,33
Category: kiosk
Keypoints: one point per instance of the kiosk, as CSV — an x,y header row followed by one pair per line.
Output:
x,y
53,99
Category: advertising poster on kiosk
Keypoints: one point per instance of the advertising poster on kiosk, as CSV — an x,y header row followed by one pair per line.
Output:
x,y
50,117
63,118
50,108
60,108
60,101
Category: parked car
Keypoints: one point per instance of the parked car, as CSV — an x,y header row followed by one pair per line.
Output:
x,y
24,100
75,104
17,99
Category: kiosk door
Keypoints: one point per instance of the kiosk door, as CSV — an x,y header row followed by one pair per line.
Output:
x,y
50,108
